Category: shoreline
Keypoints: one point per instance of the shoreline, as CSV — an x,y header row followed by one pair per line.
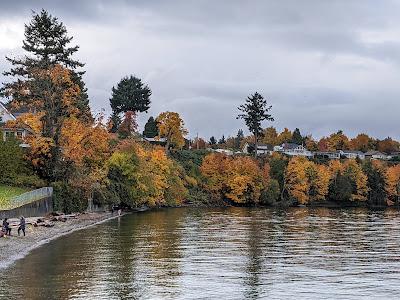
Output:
x,y
15,248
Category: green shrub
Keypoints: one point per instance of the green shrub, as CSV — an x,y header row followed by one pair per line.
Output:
x,y
270,196
67,198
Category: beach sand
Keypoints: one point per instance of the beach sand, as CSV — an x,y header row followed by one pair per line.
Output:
x,y
16,247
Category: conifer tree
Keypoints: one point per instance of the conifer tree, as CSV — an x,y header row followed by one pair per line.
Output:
x,y
239,138
130,95
150,128
46,44
254,111
296,137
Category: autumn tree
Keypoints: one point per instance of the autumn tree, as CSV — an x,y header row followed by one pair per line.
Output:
x,y
244,181
238,179
337,141
199,143
150,128
47,45
362,142
172,128
388,145
128,126
254,111
145,177
310,143
230,143
353,171
88,149
285,136
54,95
296,181
270,136
393,183
306,181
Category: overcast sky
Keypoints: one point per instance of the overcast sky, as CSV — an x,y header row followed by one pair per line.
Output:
x,y
322,65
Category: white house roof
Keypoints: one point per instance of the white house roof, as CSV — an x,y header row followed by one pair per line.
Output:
x,y
4,111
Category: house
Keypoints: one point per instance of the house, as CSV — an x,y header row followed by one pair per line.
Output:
x,y
375,155
328,154
5,115
224,151
6,132
292,149
352,154
155,141
262,149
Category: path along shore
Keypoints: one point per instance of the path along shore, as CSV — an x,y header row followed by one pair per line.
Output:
x,y
16,247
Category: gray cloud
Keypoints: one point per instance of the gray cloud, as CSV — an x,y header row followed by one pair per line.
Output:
x,y
323,65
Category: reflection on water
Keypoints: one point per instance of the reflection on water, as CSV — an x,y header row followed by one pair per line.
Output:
x,y
235,253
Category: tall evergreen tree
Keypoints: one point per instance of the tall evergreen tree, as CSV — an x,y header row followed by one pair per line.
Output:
x,y
239,138
47,45
150,129
222,140
254,111
130,95
213,140
296,137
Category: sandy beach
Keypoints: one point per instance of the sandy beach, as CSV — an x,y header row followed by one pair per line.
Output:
x,y
16,247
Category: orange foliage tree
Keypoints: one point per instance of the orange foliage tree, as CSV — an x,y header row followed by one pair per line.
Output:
x,y
393,183
306,181
353,170
238,179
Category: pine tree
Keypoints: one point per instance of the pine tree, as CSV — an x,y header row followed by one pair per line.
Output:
x,y
130,95
213,140
254,111
150,129
296,137
222,140
239,138
47,45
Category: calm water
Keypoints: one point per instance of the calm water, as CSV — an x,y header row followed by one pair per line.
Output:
x,y
234,253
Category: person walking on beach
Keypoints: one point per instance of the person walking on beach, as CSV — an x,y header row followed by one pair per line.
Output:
x,y
21,226
6,227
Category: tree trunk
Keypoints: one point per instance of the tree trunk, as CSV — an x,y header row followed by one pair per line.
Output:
x,y
255,145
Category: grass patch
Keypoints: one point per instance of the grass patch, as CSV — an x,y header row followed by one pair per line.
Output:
x,y
7,192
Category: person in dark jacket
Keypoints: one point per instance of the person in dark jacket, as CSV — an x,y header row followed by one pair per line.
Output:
x,y
6,227
21,225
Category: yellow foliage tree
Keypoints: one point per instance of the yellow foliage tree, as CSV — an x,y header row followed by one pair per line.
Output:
x,y
354,171
296,181
393,183
238,179
306,181
285,136
172,128
244,180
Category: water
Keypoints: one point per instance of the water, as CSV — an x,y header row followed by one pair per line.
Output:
x,y
235,253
